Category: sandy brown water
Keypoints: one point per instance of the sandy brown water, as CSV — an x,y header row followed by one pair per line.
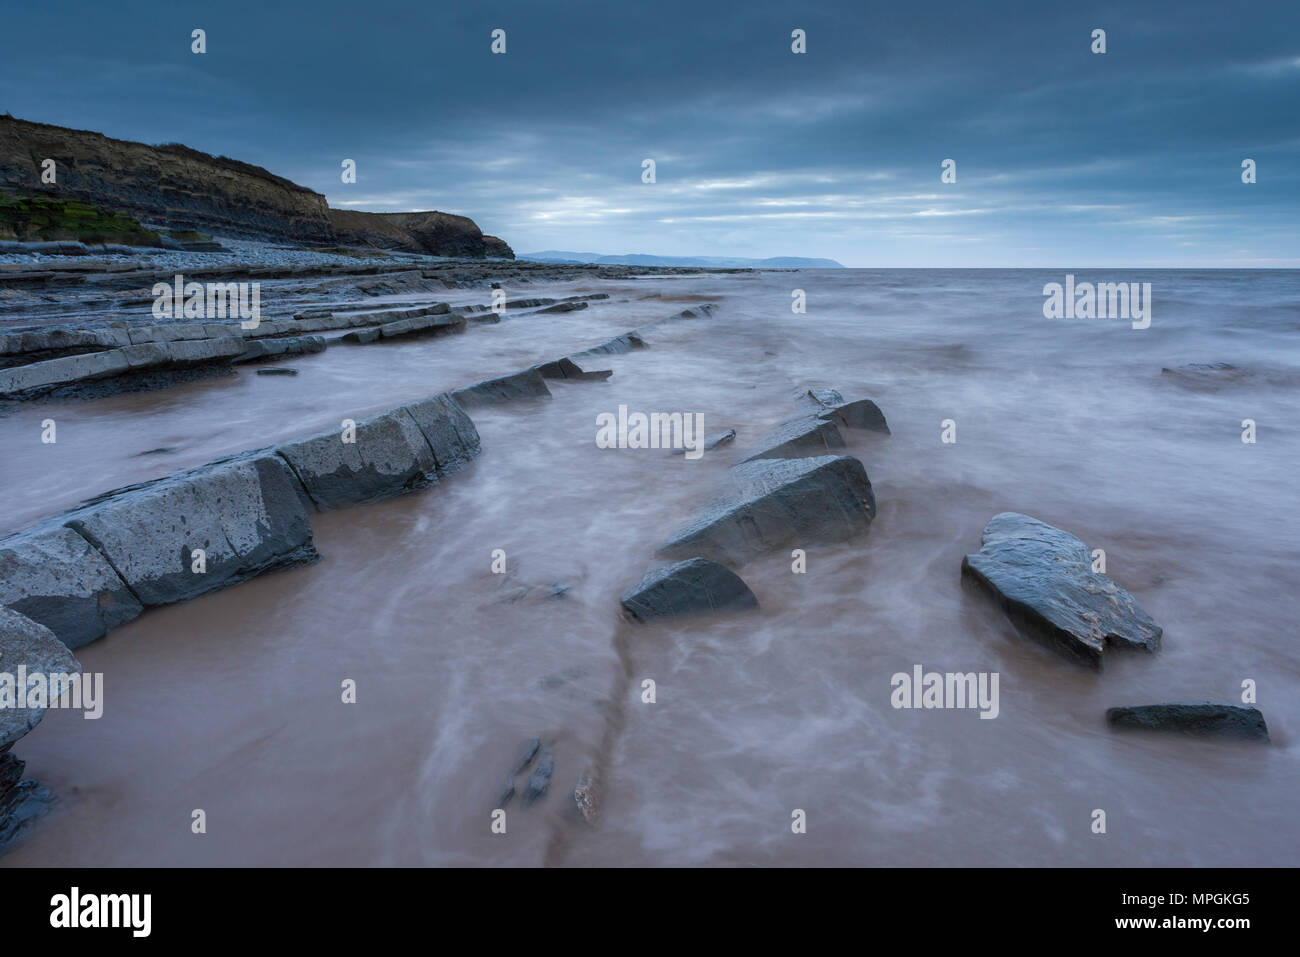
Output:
x,y
231,702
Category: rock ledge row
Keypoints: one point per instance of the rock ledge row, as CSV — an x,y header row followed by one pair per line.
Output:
x,y
100,564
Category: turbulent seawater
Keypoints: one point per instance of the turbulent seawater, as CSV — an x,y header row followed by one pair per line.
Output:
x,y
231,703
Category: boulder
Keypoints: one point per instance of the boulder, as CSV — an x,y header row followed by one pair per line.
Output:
x,y
809,435
686,587
1043,579
53,576
451,435
34,648
245,512
390,456
1226,720
528,384
769,503
830,405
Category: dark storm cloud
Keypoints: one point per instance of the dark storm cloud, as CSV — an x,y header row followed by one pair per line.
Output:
x,y
1064,157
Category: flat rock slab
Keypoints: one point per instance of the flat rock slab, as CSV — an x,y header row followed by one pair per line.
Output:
x,y
528,384
809,435
273,348
25,643
52,575
246,513
1226,720
687,587
770,503
1043,579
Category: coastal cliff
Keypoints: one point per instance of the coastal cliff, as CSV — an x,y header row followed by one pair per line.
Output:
x,y
184,189
171,185
431,233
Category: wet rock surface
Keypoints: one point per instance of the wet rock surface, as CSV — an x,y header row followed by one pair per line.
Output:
x,y
1202,718
1042,578
34,648
770,503
799,437
245,514
528,384
688,587
53,575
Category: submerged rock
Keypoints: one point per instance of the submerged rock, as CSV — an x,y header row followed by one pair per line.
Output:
x,y
713,442
1043,579
530,749
769,503
586,797
1227,720
683,588
540,779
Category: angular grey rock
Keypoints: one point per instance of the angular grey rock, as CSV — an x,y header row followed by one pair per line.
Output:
x,y
528,384
713,441
540,778
390,456
683,588
1042,578
769,503
26,644
566,368
451,434
246,513
830,405
360,336
526,755
53,576
798,438
1204,718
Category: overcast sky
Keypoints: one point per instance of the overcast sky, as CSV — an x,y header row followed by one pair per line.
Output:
x,y
1063,157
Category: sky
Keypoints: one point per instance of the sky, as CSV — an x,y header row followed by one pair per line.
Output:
x,y
1063,157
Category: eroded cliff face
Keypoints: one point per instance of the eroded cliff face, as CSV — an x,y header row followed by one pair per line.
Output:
x,y
172,185
431,233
